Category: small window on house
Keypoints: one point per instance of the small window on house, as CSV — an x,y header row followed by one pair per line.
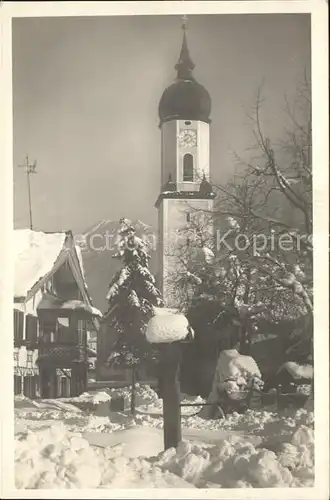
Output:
x,y
29,386
188,242
188,168
29,358
65,333
31,328
48,329
65,387
188,217
18,324
17,384
82,333
50,288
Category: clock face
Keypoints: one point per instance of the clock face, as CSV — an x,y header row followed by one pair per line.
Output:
x,y
187,138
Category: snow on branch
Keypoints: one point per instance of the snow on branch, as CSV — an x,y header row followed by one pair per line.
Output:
x,y
121,279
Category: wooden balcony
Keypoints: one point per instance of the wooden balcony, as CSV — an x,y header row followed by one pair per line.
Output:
x,y
62,355
30,344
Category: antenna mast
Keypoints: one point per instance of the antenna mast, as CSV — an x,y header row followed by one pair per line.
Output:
x,y
30,168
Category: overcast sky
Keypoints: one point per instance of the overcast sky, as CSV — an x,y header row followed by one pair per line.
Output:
x,y
86,94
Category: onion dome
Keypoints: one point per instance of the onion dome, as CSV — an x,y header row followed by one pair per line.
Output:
x,y
205,186
185,99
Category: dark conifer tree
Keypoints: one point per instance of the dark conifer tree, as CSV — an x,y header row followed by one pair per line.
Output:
x,y
131,296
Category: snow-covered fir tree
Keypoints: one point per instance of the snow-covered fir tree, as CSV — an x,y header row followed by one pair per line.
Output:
x,y
131,296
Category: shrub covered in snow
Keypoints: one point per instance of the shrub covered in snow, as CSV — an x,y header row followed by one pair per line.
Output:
x,y
235,375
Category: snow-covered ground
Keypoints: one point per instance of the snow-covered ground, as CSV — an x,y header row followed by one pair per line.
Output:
x,y
80,443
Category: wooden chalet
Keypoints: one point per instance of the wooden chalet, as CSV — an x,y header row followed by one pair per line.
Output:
x,y
52,308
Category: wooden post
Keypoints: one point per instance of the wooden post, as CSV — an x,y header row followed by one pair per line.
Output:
x,y
53,384
170,393
85,377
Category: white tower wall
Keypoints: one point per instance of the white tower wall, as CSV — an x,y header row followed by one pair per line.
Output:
x,y
173,152
173,219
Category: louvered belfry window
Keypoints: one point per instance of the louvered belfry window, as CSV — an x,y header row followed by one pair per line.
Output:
x,y
188,168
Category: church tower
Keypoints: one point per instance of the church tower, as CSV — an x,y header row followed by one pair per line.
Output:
x,y
184,113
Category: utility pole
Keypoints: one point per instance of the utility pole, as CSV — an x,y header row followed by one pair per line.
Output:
x,y
30,168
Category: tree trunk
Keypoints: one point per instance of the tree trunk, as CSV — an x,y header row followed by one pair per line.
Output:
x,y
133,393
244,339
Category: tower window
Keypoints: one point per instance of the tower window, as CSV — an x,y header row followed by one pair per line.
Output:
x,y
187,123
188,168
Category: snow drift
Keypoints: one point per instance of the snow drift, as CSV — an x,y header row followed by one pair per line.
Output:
x,y
61,446
54,457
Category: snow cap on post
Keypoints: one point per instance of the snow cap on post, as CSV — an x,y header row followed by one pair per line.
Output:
x,y
166,326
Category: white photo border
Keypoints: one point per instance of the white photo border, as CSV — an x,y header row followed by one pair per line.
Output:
x,y
318,10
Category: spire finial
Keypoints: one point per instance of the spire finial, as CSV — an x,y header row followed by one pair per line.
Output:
x,y
184,65
184,22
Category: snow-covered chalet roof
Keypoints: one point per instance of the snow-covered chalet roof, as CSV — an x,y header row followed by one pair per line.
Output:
x,y
35,254
81,263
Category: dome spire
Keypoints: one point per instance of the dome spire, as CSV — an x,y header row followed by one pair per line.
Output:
x,y
184,65
185,98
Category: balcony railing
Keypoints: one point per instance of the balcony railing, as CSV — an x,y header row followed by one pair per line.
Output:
x,y
63,353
